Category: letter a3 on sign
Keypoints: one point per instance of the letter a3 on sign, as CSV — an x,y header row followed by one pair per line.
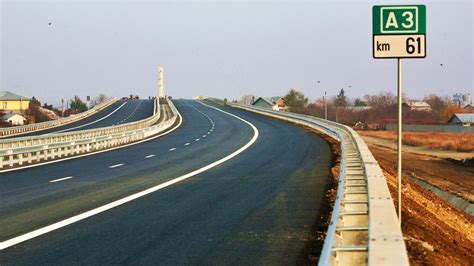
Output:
x,y
399,31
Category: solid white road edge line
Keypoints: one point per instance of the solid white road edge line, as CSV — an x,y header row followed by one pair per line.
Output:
x,y
90,123
13,241
101,151
60,179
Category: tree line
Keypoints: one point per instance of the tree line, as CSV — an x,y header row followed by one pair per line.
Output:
x,y
377,110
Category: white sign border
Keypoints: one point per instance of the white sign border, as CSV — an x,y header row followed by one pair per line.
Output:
x,y
399,7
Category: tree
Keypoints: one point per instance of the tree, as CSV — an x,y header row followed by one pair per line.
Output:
x,y
359,102
296,101
437,103
381,100
77,104
449,110
341,98
48,106
247,99
101,98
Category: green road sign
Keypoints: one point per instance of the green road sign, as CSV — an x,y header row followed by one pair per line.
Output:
x,y
399,20
399,31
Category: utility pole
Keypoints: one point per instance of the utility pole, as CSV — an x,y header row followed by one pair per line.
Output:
x,y
325,106
62,107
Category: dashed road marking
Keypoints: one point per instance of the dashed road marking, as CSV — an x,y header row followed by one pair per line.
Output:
x,y
149,156
116,165
196,140
172,149
187,143
60,179
55,226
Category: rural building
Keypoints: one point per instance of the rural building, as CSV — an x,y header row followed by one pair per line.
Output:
x,y
13,103
462,119
419,106
469,108
13,119
275,103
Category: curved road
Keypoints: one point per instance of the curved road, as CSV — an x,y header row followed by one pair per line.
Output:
x,y
258,207
118,113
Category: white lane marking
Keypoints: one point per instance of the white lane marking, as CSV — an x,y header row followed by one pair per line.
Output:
x,y
90,123
149,156
209,132
172,149
187,143
101,151
116,165
196,140
60,179
134,110
203,136
13,241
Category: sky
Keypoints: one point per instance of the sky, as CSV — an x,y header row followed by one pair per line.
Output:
x,y
222,49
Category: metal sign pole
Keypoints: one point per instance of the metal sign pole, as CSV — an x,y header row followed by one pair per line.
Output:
x,y
399,144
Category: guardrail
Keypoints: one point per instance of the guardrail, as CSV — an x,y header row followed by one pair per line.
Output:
x,y
65,144
80,134
364,227
18,130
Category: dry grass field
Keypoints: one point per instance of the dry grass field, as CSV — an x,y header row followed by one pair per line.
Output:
x,y
433,140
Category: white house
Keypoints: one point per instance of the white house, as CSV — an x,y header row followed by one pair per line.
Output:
x,y
13,119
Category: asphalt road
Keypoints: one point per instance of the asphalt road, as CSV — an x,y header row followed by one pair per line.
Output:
x,y
118,113
256,208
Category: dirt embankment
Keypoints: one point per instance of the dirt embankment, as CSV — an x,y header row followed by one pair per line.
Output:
x,y
462,142
435,232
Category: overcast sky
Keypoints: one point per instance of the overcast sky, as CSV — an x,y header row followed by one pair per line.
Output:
x,y
222,49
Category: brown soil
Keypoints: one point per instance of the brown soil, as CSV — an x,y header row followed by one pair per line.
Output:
x,y
453,177
463,142
435,232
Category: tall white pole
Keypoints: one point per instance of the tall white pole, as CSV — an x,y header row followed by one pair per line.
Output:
x,y
399,144
161,88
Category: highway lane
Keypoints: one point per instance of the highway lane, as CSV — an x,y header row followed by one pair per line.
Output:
x,y
118,113
258,207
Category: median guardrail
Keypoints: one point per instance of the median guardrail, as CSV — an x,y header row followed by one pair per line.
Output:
x,y
364,228
80,134
19,130
45,148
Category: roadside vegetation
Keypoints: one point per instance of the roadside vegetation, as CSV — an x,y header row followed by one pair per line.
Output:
x,y
433,140
371,112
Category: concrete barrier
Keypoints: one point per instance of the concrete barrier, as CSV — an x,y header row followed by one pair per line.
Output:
x,y
47,148
19,130
364,228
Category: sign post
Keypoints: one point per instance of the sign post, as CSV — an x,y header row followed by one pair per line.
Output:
x,y
399,32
